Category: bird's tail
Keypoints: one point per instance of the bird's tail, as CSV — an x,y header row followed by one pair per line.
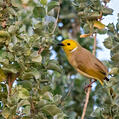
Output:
x,y
106,79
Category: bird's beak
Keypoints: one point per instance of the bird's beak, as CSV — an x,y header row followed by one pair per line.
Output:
x,y
60,44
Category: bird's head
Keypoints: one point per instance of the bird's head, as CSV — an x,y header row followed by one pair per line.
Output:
x,y
69,45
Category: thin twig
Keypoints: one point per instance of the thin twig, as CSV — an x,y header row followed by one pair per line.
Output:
x,y
40,50
55,25
94,45
3,24
67,94
89,89
9,84
11,79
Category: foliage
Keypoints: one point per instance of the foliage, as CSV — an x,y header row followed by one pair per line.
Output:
x,y
33,85
110,100
25,39
81,20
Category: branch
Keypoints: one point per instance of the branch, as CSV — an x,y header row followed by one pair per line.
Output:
x,y
9,84
89,88
67,94
11,79
94,45
55,25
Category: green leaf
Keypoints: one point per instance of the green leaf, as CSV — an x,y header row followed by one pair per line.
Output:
x,y
86,28
60,116
10,68
25,1
117,26
11,11
43,2
39,27
57,99
51,109
97,112
91,16
48,96
114,70
42,115
102,31
4,36
16,3
107,11
2,76
1,2
6,112
36,57
44,89
115,48
25,84
53,65
52,5
27,110
111,27
23,103
115,57
22,93
39,12
26,105
13,28
6,57
42,102
108,43
31,74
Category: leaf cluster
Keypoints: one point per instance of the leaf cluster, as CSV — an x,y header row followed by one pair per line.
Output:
x,y
26,70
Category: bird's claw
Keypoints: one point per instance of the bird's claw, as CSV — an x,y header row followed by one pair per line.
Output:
x,y
88,86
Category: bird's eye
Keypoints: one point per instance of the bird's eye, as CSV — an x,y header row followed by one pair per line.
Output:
x,y
68,43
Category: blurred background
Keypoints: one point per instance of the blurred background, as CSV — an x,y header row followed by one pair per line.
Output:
x,y
36,80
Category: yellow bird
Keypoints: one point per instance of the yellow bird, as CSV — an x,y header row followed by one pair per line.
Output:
x,y
83,61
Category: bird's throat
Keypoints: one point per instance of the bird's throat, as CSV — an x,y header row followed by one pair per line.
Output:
x,y
74,50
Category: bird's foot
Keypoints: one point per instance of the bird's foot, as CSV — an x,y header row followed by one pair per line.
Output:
x,y
89,85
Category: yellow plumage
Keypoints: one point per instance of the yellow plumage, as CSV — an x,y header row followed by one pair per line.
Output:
x,y
83,61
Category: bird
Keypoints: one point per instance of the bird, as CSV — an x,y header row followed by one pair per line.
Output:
x,y
84,61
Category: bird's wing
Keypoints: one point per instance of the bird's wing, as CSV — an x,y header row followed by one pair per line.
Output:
x,y
88,65
91,63
88,70
97,66
91,72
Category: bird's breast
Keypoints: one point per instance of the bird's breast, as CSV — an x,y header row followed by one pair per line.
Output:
x,y
72,59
